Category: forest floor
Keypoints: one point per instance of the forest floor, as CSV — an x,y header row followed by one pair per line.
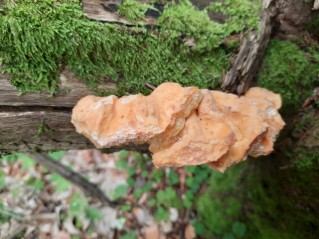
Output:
x,y
153,203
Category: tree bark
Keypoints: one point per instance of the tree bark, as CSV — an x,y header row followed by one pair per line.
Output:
x,y
252,50
41,122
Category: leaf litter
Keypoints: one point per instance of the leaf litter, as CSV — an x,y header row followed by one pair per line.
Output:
x,y
35,203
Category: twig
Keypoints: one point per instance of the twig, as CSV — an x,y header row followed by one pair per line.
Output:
x,y
150,86
89,189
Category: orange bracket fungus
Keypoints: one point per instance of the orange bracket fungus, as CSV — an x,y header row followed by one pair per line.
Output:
x,y
185,126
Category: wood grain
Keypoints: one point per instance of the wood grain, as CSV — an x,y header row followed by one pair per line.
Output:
x,y
40,122
97,10
252,50
71,90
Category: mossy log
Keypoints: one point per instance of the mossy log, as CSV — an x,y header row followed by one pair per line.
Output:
x,y
278,194
107,11
41,122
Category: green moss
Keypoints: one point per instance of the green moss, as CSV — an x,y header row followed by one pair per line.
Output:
x,y
133,10
42,129
271,202
305,158
220,206
39,38
240,14
185,18
290,71
282,201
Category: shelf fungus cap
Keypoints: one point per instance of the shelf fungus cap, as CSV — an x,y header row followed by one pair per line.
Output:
x,y
247,123
205,137
185,126
267,104
177,103
112,121
257,122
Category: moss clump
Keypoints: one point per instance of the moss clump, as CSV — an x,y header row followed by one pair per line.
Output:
x,y
39,38
185,18
220,207
268,201
133,10
305,158
290,71
240,14
42,129
306,131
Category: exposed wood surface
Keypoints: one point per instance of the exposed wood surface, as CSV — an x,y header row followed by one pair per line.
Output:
x,y
251,52
41,129
71,90
106,11
287,19
41,122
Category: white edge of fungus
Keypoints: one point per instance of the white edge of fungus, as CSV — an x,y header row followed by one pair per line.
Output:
x,y
271,112
127,99
125,136
105,101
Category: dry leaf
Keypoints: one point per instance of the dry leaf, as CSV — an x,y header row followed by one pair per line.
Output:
x,y
190,232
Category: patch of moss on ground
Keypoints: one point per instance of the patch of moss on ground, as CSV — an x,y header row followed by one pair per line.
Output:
x,y
268,201
290,71
39,38
221,204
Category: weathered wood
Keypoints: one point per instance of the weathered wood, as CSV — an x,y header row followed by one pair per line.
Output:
x,y
288,17
41,122
106,11
252,50
42,129
71,90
